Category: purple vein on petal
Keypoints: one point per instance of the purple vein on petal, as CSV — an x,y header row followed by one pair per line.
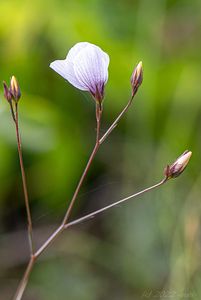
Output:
x,y
85,67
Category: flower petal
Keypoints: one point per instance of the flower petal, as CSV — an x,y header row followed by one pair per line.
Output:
x,y
85,67
75,50
65,69
91,67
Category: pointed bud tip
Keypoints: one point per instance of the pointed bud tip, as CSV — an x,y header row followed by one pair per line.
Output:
x,y
15,88
13,81
178,166
136,78
185,157
140,65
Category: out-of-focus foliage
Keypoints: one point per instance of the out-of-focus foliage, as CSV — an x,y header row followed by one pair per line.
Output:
x,y
149,247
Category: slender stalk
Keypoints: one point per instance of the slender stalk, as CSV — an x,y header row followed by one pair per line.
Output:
x,y
93,214
64,224
24,183
70,207
96,147
62,227
50,240
24,281
99,141
115,123
68,212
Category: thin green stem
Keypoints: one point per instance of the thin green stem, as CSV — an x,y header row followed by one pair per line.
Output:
x,y
50,240
96,147
24,183
62,227
93,214
64,223
115,123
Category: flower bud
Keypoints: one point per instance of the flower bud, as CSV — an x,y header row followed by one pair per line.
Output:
x,y
7,93
15,89
136,78
178,166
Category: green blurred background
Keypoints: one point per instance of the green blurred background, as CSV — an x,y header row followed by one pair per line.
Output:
x,y
150,247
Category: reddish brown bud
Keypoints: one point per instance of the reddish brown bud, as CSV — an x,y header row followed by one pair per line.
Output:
x,y
136,78
7,93
178,166
15,89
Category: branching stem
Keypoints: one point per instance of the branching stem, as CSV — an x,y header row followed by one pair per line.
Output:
x,y
64,225
115,123
60,229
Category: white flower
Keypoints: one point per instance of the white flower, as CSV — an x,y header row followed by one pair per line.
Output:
x,y
85,67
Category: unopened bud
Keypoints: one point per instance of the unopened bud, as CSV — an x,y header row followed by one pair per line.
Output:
x,y
15,89
178,166
7,93
136,78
